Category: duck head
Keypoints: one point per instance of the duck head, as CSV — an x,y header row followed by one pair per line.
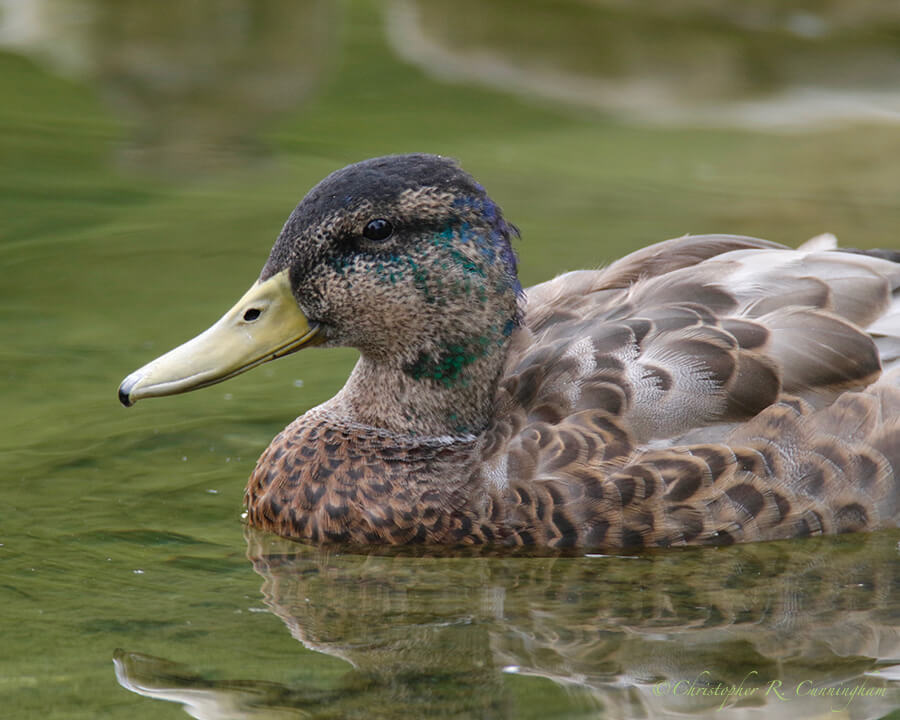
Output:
x,y
405,258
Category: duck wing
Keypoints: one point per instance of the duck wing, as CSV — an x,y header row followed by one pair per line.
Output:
x,y
690,393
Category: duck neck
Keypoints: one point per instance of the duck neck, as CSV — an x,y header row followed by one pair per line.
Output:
x,y
447,390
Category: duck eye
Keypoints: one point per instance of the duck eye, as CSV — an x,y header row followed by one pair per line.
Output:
x,y
378,229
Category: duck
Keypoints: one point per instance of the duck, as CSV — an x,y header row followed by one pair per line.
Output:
x,y
704,390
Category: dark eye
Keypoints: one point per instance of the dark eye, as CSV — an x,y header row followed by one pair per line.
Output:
x,y
378,229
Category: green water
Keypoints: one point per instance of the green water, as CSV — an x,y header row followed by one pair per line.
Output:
x,y
149,154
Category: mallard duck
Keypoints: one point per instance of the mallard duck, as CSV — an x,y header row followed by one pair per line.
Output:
x,y
708,389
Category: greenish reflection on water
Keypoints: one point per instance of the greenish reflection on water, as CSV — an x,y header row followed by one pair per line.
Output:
x,y
475,636
148,161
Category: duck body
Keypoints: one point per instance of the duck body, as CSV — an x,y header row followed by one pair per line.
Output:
x,y
705,390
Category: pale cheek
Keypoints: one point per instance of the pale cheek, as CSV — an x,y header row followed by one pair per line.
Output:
x,y
371,314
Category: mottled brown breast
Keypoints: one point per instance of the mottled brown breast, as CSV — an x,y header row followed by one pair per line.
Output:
x,y
326,482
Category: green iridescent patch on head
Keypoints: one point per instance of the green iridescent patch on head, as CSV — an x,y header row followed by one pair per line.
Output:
x,y
447,240
430,273
339,263
392,269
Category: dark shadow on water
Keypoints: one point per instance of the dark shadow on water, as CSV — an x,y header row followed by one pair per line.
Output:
x,y
796,629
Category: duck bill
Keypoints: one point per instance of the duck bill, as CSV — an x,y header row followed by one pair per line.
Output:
x,y
264,324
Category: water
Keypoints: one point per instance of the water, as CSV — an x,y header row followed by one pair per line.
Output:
x,y
147,160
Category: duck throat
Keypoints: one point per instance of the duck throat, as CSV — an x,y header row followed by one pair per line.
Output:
x,y
446,388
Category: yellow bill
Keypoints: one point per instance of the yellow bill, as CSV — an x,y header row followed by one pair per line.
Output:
x,y
264,324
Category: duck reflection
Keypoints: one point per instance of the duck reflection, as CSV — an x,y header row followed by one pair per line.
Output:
x,y
786,629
